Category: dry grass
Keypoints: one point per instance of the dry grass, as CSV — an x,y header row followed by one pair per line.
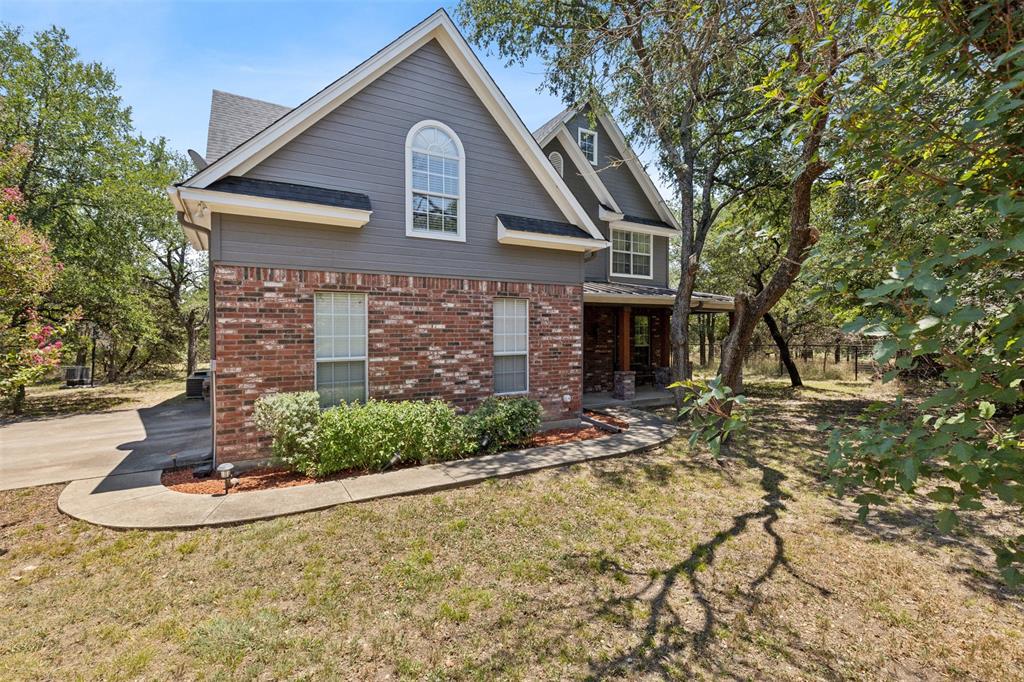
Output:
x,y
52,399
669,565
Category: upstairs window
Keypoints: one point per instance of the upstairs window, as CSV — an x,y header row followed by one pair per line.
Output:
x,y
435,167
631,254
588,143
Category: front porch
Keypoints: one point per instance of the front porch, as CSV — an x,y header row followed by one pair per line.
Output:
x,y
626,342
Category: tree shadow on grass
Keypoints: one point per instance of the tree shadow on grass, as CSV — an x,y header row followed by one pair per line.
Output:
x,y
667,646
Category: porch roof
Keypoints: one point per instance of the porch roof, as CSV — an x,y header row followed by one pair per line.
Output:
x,y
646,294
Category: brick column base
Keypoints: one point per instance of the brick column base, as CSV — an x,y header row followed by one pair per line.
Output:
x,y
625,386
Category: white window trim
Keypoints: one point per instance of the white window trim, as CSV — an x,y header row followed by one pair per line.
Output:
x,y
525,353
611,254
366,334
579,141
409,232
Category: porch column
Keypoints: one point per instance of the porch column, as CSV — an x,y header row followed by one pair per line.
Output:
x,y
666,333
624,387
625,345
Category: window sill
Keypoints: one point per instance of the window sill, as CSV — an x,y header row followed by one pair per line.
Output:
x,y
439,236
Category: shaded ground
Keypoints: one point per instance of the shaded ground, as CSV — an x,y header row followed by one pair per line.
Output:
x,y
73,447
52,399
663,566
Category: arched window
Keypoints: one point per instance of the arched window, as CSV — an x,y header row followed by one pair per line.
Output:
x,y
556,160
435,181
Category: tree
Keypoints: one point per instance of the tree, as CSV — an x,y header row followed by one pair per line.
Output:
x,y
95,190
936,138
28,346
679,74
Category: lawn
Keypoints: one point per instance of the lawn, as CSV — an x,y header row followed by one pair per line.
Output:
x,y
53,399
664,565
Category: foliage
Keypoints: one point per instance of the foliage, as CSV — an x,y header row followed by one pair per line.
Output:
x,y
934,139
28,346
711,409
97,192
376,434
502,423
291,420
680,75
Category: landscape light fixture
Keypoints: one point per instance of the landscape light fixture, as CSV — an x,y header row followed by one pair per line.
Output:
x,y
224,471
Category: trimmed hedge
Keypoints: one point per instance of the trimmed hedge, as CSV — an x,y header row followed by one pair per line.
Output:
x,y
502,423
367,436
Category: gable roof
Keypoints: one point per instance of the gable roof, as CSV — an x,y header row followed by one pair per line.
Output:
x,y
234,119
272,189
556,127
438,26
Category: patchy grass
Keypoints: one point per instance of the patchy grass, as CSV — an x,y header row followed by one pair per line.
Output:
x,y
52,399
666,565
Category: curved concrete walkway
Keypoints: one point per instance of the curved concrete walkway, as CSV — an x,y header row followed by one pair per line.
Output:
x,y
139,500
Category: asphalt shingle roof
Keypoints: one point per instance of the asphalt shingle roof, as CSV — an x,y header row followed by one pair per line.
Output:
x,y
516,222
292,192
234,119
617,289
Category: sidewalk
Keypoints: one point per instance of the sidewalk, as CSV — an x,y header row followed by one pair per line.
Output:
x,y
139,500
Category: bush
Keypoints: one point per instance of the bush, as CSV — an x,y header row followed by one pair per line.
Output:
x,y
291,418
366,436
502,423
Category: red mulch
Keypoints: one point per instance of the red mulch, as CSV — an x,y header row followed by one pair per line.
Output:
x,y
182,481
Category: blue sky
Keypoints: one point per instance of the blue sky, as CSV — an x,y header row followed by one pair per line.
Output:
x,y
168,56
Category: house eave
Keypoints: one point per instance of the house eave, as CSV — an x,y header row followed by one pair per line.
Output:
x,y
198,204
696,305
548,241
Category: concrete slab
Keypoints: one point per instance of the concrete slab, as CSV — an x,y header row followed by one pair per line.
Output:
x,y
279,502
401,482
55,450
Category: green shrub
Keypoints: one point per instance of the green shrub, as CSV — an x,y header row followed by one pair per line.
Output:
x,y
366,436
291,418
502,423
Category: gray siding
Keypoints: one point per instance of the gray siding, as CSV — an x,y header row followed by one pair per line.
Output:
x,y
598,267
615,175
360,147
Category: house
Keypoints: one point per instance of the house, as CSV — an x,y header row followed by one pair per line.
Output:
x,y
402,235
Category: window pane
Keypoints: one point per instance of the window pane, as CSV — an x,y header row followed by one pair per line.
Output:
x,y
641,243
419,181
641,265
509,373
620,263
340,325
451,225
435,222
338,381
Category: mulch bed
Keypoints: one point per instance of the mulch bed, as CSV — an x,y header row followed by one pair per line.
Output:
x,y
266,478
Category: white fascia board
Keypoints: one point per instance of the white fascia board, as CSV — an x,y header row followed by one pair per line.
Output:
x,y
627,299
551,134
585,168
438,26
548,241
643,228
199,204
638,170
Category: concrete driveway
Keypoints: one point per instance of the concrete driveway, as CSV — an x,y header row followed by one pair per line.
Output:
x,y
54,450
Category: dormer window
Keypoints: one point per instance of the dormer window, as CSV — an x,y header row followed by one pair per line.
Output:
x,y
588,143
435,171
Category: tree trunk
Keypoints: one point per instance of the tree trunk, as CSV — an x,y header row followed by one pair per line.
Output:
x,y
18,401
710,330
784,356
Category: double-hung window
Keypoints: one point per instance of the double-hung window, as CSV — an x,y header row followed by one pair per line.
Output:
x,y
436,182
587,140
631,254
511,345
340,332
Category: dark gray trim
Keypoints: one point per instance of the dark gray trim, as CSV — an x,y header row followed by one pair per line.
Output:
x,y
273,189
515,222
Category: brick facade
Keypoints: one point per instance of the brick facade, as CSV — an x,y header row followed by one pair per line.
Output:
x,y
599,328
428,337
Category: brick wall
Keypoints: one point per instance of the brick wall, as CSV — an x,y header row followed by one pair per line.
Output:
x,y
599,328
428,337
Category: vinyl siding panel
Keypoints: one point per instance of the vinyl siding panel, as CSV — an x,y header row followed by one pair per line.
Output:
x,y
615,175
360,147
597,269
